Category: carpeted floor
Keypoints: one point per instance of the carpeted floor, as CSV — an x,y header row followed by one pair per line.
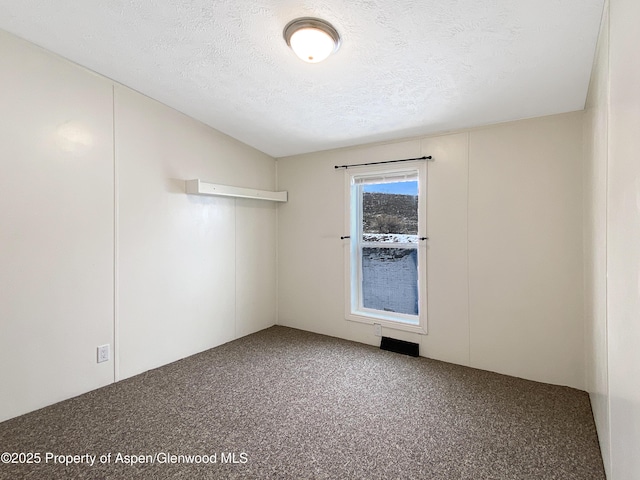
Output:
x,y
287,404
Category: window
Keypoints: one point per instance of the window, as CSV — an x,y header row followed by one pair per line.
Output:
x,y
386,261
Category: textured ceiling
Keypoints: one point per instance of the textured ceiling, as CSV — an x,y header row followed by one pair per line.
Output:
x,y
405,67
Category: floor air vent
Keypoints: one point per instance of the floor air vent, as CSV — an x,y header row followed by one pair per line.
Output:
x,y
400,346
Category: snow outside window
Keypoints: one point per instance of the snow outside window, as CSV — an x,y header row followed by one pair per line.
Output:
x,y
386,260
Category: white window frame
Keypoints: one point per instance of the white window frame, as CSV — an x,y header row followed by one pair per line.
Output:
x,y
354,311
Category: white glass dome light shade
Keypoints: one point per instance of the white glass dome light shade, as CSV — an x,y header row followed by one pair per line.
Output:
x,y
312,45
311,39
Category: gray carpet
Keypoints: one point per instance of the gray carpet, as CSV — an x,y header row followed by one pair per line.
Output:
x,y
292,405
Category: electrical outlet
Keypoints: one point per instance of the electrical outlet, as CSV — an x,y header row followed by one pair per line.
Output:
x,y
377,330
103,353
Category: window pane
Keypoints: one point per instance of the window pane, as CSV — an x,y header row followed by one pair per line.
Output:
x,y
390,279
390,212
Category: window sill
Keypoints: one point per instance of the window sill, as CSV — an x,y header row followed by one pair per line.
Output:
x,y
370,320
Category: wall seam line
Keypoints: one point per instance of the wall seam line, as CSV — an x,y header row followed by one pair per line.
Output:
x,y
116,302
235,268
277,242
467,248
606,240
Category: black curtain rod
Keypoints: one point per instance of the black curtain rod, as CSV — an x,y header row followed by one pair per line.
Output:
x,y
388,161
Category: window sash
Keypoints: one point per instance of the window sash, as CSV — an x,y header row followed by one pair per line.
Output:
x,y
388,245
382,313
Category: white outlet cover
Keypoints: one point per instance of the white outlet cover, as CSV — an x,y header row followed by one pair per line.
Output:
x,y
377,330
103,353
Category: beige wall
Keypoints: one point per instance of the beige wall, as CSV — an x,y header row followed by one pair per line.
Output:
x,y
525,249
504,220
93,206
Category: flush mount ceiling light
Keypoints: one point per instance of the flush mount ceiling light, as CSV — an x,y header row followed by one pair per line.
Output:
x,y
311,39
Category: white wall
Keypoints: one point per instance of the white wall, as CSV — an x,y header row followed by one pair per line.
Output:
x,y
612,229
595,241
193,271
623,239
78,217
56,228
504,256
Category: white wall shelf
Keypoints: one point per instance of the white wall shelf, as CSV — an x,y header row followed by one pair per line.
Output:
x,y
198,187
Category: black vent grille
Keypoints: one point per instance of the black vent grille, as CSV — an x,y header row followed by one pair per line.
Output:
x,y
400,346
